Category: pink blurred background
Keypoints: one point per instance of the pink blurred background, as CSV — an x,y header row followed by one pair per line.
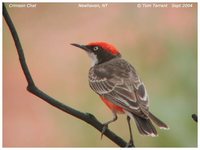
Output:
x,y
160,42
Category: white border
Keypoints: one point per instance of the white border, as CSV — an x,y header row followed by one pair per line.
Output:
x,y
98,1
92,1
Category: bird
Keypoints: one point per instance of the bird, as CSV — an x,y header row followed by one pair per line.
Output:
x,y
116,82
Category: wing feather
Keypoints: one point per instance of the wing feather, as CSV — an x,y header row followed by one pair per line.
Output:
x,y
118,82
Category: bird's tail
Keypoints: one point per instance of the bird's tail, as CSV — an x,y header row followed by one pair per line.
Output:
x,y
145,126
158,122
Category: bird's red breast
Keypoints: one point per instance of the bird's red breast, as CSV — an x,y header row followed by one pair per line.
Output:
x,y
106,46
112,106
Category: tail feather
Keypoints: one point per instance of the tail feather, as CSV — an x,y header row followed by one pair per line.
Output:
x,y
157,121
145,126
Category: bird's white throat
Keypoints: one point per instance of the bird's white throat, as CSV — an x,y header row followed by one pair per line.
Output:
x,y
94,58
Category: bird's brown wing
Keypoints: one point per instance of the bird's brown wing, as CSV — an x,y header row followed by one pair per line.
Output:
x,y
118,82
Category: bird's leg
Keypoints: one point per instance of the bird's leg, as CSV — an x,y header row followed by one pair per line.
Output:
x,y
105,125
130,143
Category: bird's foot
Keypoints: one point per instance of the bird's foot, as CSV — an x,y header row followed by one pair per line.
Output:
x,y
105,126
130,144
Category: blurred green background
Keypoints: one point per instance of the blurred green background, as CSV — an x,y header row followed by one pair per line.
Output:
x,y
160,42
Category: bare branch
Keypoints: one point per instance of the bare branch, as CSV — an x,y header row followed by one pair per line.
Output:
x,y
86,117
195,117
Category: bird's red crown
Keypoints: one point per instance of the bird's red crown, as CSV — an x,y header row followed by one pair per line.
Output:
x,y
106,46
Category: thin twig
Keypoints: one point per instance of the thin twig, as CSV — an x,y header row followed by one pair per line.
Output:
x,y
86,117
195,117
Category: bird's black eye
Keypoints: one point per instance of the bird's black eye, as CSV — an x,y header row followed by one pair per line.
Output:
x,y
95,48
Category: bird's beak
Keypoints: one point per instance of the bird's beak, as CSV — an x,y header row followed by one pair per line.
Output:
x,y
81,46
